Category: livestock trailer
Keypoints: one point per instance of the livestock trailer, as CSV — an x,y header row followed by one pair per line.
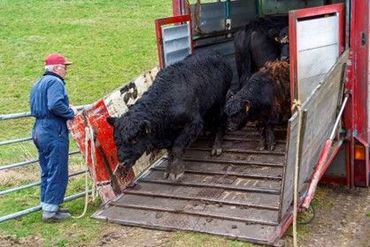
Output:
x,y
247,194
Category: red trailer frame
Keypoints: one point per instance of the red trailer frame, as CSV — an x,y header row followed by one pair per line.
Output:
x,y
158,30
356,117
355,120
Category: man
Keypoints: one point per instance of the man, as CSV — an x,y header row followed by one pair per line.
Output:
x,y
50,106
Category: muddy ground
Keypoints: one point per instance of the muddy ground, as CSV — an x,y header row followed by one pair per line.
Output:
x,y
342,218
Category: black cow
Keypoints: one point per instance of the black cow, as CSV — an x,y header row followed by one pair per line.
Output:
x,y
264,98
283,39
257,43
174,110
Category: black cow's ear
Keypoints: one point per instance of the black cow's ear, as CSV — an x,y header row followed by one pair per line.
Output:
x,y
148,126
111,120
229,94
247,106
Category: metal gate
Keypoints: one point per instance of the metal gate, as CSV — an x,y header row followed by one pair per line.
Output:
x,y
15,166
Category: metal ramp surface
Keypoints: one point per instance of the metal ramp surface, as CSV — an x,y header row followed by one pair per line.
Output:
x,y
236,195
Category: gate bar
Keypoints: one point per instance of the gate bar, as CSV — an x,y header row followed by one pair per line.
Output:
x,y
3,192
37,208
15,141
28,162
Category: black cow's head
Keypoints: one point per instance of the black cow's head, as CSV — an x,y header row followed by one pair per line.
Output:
x,y
283,39
131,137
237,111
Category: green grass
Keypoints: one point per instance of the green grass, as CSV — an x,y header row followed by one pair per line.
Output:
x,y
74,231
109,42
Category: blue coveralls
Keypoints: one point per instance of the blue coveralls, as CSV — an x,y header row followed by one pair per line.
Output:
x,y
50,106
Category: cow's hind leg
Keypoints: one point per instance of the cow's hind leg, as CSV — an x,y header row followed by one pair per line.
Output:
x,y
169,164
262,142
270,138
217,146
186,138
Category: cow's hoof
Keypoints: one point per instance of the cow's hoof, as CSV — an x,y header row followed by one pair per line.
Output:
x,y
272,148
261,148
175,177
167,170
216,151
165,175
207,133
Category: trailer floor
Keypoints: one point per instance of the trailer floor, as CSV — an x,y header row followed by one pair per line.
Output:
x,y
235,195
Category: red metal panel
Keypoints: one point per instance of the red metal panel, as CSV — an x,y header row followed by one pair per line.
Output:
x,y
357,117
176,7
158,30
106,170
348,123
360,47
180,7
293,54
294,16
334,180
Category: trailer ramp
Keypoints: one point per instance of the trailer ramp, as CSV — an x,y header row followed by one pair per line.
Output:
x,y
235,195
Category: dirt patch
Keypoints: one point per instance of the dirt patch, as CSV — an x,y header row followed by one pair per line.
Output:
x,y
116,235
23,175
13,177
341,219
8,241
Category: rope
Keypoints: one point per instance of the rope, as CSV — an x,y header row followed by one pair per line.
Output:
x,y
311,210
298,106
93,159
89,136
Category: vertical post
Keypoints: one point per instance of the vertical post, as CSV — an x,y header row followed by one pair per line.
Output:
x,y
177,7
227,15
158,31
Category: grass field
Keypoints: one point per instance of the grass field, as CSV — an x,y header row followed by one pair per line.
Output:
x,y
109,42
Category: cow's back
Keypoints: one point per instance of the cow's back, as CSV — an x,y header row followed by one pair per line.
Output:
x,y
195,86
210,77
203,78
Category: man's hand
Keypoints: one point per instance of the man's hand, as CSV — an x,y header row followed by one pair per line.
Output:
x,y
74,109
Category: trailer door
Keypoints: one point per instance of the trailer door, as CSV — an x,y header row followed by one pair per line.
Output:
x,y
316,38
174,41
317,64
